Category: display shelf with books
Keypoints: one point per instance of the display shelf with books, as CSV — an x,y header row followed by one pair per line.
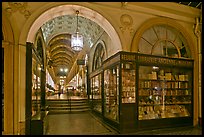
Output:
x,y
128,82
164,92
111,93
140,90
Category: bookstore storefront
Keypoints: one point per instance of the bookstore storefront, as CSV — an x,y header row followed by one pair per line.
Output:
x,y
134,90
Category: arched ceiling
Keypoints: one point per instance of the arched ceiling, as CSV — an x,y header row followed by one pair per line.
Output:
x,y
67,25
57,35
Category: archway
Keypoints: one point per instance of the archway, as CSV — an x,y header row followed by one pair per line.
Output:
x,y
35,21
29,33
30,30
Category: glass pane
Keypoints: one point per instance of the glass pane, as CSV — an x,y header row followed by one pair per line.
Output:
x,y
145,47
165,48
164,93
111,93
160,31
128,83
159,49
36,87
96,89
150,36
169,42
92,88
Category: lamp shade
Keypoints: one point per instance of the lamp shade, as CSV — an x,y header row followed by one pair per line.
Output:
x,y
77,38
77,41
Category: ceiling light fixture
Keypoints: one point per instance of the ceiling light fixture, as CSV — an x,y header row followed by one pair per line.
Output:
x,y
77,38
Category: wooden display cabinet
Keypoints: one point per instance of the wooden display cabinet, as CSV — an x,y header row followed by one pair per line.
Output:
x,y
96,92
142,91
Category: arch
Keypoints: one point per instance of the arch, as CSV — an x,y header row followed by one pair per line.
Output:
x,y
99,55
7,30
40,46
63,56
53,48
157,21
60,52
192,47
32,26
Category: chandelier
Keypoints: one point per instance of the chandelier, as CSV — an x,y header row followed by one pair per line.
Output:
x,y
77,38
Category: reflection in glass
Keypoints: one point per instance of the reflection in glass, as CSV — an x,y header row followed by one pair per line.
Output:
x,y
164,93
111,93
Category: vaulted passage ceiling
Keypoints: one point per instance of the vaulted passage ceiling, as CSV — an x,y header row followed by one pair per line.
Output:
x,y
57,35
68,24
60,54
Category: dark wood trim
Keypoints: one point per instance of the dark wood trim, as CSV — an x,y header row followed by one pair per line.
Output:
x,y
28,104
200,121
43,81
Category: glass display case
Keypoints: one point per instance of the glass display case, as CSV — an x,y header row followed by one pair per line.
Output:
x,y
164,91
111,93
36,87
140,90
96,88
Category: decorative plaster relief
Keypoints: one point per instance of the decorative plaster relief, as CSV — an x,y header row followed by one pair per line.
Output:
x,y
126,21
123,4
18,6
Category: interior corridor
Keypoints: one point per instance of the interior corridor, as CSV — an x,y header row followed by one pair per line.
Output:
x,y
83,123
87,124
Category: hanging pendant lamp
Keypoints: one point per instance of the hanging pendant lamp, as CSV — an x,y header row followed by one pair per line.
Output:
x,y
77,38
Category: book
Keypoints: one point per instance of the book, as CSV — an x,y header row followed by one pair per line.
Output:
x,y
154,75
182,77
168,76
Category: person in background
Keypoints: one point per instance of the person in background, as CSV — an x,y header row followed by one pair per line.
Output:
x,y
59,93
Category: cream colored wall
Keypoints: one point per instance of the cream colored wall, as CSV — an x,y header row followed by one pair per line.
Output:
x,y
22,82
8,45
8,89
122,33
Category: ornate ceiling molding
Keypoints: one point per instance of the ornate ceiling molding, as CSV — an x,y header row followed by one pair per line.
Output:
x,y
124,4
18,6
